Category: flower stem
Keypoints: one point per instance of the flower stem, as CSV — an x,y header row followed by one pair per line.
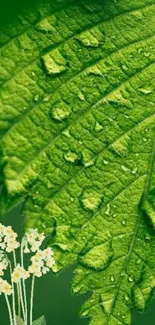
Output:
x,y
9,309
31,302
22,302
13,297
23,283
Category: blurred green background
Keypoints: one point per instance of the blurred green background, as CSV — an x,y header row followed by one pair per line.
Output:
x,y
53,293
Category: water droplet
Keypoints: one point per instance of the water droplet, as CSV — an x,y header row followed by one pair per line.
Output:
x,y
138,261
122,274
108,209
144,139
49,185
71,157
66,133
140,50
112,278
95,71
126,297
125,169
81,96
147,54
60,112
124,67
36,97
147,238
124,222
54,63
98,127
44,26
98,257
145,91
106,162
91,38
91,199
130,279
87,158
134,170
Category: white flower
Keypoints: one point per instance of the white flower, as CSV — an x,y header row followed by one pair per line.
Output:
x,y
3,266
42,262
26,250
8,240
34,239
19,273
5,287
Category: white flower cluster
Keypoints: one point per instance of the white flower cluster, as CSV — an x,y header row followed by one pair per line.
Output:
x,y
33,240
3,265
5,287
8,240
19,273
42,262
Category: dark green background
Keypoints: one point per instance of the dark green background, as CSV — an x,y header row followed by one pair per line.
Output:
x,y
53,293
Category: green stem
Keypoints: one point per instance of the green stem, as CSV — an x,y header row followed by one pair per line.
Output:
x,y
31,302
22,302
18,292
23,282
13,297
9,309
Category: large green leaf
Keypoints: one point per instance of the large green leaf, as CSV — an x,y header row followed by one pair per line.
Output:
x,y
77,125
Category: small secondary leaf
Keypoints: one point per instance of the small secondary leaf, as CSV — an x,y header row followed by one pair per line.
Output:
x,y
19,320
40,321
77,123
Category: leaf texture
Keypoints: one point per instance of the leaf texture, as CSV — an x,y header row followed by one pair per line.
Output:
x,y
77,128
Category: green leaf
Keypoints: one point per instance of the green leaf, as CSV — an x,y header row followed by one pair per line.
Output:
x,y
40,321
19,320
77,132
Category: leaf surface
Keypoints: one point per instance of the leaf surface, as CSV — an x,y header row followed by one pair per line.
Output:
x,y
77,134
40,321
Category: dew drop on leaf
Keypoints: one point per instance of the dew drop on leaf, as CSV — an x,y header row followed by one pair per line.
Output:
x,y
44,26
112,278
134,170
125,169
98,257
108,209
106,162
138,261
66,133
145,91
126,297
60,112
54,63
91,38
71,157
91,199
124,222
98,127
130,279
81,96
